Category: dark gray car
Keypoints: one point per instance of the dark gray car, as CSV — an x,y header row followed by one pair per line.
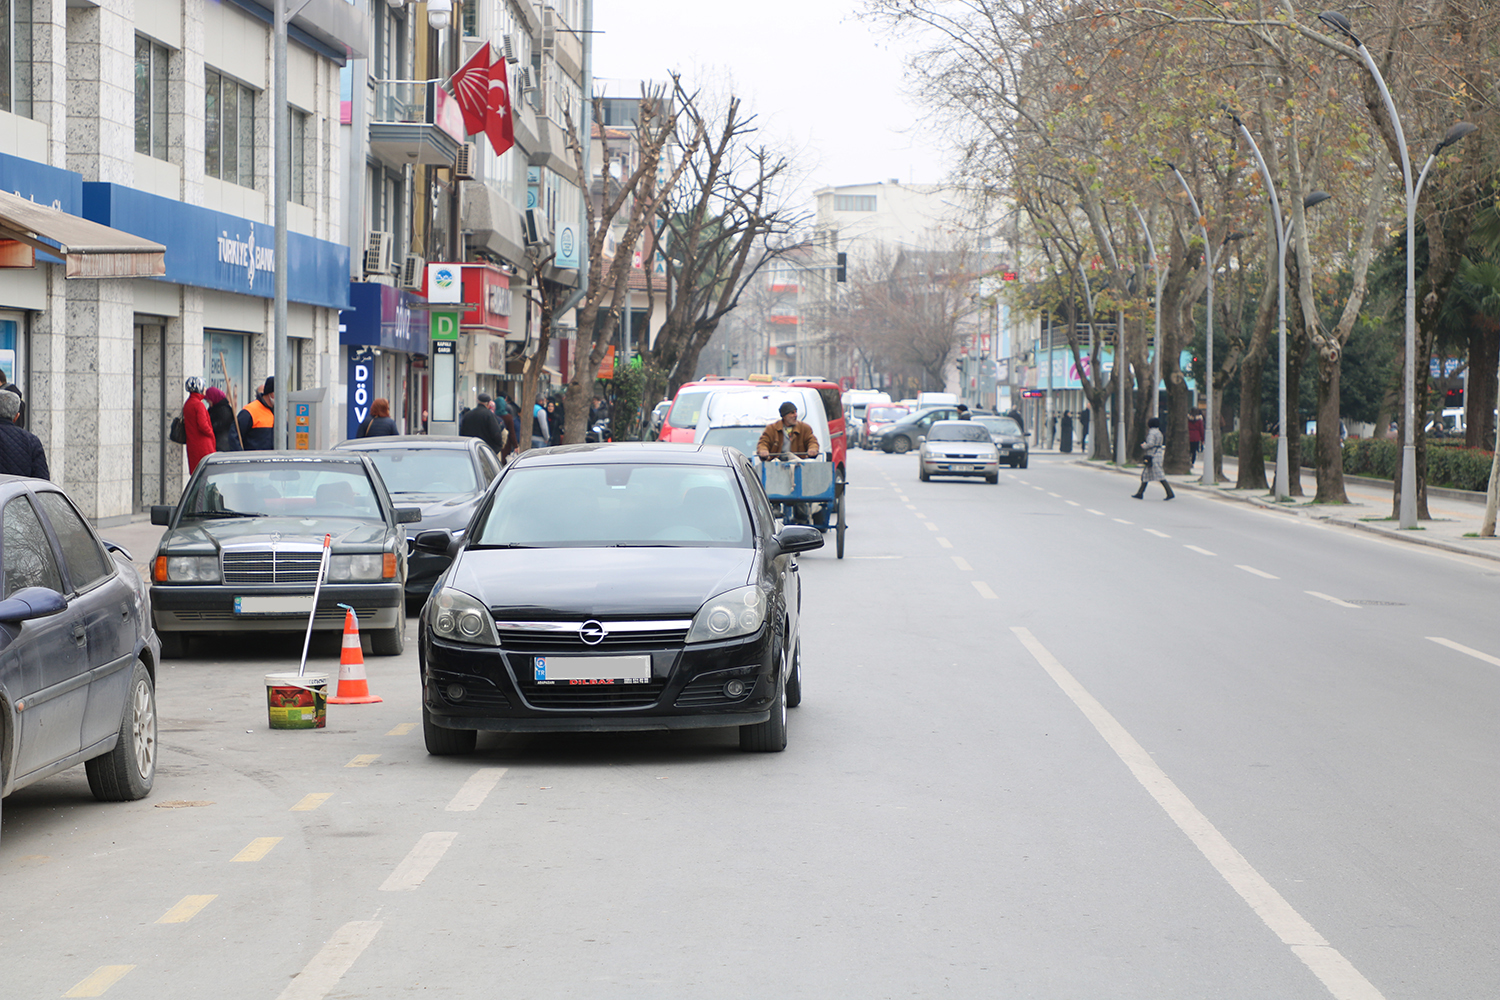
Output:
x,y
77,654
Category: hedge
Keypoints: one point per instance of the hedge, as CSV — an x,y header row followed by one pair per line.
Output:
x,y
1448,465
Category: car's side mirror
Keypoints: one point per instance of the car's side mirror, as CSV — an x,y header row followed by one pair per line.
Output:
x,y
117,547
921,440
408,515
32,602
797,538
435,541
161,513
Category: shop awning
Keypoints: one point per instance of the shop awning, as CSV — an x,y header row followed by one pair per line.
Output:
x,y
89,250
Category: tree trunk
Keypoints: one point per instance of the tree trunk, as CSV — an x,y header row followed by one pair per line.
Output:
x,y
1330,457
1252,470
1480,393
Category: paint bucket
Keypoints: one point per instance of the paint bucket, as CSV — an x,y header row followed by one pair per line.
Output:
x,y
297,701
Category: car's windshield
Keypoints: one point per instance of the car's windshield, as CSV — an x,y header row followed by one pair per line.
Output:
x,y
283,489
743,439
966,431
687,408
609,505
1000,425
885,413
443,471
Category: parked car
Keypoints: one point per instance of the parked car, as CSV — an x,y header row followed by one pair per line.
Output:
x,y
879,416
616,587
77,654
681,419
1008,438
958,448
445,476
904,435
242,548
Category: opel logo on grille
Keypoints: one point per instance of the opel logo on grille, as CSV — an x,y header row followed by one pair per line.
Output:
x,y
591,632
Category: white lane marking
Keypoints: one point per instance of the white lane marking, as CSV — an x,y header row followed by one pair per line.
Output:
x,y
985,591
1051,494
324,970
919,517
1331,600
419,863
962,564
1460,647
1258,572
1197,549
945,543
911,506
1341,978
472,795
931,526
1158,534
1072,503
1042,489
1093,511
1121,520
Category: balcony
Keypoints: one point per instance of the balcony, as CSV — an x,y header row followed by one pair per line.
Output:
x,y
415,123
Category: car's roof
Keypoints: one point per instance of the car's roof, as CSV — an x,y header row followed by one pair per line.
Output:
x,y
625,452
450,441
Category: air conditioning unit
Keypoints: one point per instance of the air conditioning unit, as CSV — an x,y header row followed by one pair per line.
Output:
x,y
378,253
412,271
508,49
463,167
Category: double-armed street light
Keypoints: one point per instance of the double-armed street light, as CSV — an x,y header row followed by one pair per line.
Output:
x,y
1408,505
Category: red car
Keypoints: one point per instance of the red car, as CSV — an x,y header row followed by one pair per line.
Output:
x,y
878,416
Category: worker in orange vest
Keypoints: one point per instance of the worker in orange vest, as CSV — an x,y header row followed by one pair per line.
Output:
x,y
258,420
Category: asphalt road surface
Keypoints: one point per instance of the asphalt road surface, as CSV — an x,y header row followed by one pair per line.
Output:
x,y
1055,743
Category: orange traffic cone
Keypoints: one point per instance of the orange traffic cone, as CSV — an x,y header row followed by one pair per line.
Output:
x,y
353,689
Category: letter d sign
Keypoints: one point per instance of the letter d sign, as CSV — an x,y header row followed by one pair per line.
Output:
x,y
444,325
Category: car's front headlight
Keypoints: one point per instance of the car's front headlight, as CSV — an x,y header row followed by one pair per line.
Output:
x,y
738,612
187,569
462,618
362,567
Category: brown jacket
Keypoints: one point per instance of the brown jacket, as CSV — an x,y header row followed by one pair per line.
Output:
x,y
803,441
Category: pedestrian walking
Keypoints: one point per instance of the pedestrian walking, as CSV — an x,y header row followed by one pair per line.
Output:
x,y
21,452
1195,434
379,423
1084,416
1067,433
554,422
221,419
1151,455
258,419
540,433
481,423
200,432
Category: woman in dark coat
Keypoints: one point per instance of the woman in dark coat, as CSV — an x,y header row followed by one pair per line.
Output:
x,y
379,423
221,418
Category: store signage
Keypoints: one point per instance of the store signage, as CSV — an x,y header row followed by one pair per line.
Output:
x,y
361,384
382,316
444,283
486,290
444,325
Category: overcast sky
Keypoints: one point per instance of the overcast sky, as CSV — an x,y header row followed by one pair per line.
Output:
x,y
826,86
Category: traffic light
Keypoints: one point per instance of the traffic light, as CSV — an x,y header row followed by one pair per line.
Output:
x,y
841,272
734,359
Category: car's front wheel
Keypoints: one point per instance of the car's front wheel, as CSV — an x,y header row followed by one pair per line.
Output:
x,y
769,736
794,682
922,473
389,641
443,742
129,770
900,444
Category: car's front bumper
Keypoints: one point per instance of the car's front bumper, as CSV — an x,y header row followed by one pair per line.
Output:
x,y
959,467
211,607
488,688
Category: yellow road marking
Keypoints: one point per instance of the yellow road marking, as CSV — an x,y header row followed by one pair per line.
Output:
x,y
186,909
103,978
257,849
402,729
311,801
363,760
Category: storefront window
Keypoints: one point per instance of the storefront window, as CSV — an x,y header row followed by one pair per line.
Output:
x,y
9,330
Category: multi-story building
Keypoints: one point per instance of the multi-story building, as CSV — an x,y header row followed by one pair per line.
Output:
x,y
154,117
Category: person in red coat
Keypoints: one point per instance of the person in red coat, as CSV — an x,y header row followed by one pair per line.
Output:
x,y
200,432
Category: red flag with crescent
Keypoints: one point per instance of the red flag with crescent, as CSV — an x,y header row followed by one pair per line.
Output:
x,y
498,123
471,85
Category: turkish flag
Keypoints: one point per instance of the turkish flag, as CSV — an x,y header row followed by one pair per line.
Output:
x,y
471,89
498,123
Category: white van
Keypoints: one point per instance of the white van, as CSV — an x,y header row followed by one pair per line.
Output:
x,y
925,399
855,401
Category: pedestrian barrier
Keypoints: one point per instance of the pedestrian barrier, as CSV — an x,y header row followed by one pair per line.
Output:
x,y
354,687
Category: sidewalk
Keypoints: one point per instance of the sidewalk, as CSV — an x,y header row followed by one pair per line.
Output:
x,y
1456,515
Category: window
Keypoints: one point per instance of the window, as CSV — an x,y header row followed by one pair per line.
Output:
x,y
301,127
151,97
28,558
469,18
15,56
82,553
229,129
854,203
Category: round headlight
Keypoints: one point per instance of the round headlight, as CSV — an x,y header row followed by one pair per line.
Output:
x,y
720,620
470,625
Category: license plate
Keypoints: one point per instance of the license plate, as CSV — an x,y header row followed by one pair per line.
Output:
x,y
582,670
296,604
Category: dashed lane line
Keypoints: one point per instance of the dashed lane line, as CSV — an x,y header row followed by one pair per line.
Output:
x,y
962,564
472,795
402,729
1158,534
417,865
1337,974
1258,572
1051,494
100,980
1093,511
1200,550
1072,503
311,801
363,760
186,909
1331,600
324,970
984,590
931,526
1461,648
256,849
945,543
1121,520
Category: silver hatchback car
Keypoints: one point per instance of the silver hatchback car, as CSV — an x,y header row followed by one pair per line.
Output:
x,y
958,448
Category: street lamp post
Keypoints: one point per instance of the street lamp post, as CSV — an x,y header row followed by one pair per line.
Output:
x,y
1408,504
1156,348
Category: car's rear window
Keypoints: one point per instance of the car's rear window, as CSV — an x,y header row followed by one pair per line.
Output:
x,y
687,408
283,489
616,505
886,412
1000,425
442,471
966,431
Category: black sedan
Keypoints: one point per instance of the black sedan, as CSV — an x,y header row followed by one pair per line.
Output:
x,y
77,654
243,549
445,476
616,587
906,433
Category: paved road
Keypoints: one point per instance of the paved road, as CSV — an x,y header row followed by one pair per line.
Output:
x,y
1056,743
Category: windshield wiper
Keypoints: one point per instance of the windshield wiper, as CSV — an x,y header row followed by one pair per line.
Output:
x,y
503,545
219,513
